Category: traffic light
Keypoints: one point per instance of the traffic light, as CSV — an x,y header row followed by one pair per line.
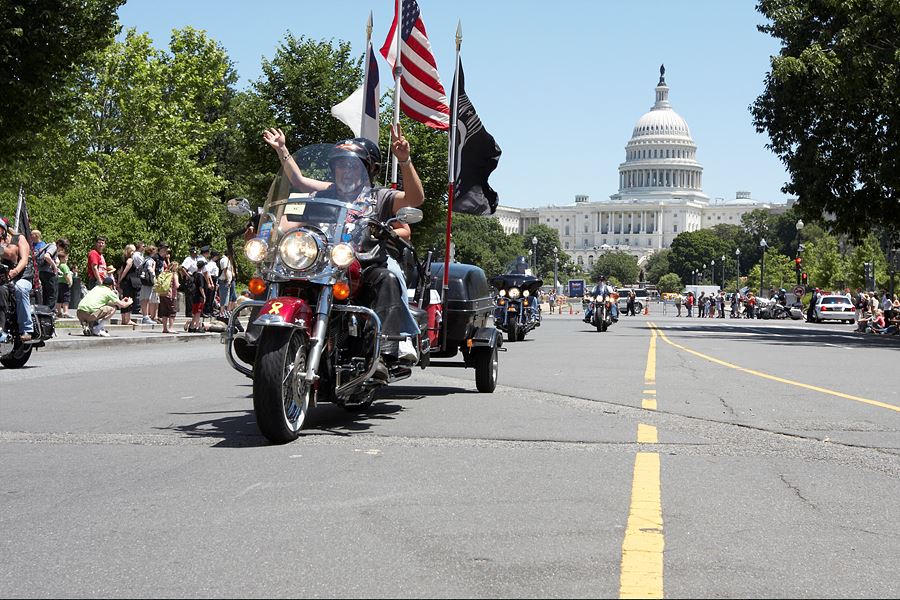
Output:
x,y
804,278
799,261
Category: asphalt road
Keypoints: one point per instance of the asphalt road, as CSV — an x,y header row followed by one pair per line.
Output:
x,y
768,466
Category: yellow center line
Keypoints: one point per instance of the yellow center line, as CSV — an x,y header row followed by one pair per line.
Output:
x,y
647,434
642,549
648,403
650,372
807,386
651,392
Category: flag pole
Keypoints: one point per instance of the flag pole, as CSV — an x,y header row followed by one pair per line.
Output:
x,y
398,71
451,176
362,116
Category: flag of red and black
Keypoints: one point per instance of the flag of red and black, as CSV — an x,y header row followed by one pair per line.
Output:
x,y
475,156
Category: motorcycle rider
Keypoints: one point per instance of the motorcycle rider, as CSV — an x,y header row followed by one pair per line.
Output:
x,y
21,272
602,290
386,286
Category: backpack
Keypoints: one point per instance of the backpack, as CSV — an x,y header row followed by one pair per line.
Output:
x,y
163,285
148,276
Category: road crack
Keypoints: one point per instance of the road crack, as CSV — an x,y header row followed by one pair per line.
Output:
x,y
797,492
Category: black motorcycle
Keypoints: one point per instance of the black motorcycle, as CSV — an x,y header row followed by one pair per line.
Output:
x,y
517,309
14,353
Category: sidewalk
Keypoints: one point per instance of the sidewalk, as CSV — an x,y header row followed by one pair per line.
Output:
x,y
69,335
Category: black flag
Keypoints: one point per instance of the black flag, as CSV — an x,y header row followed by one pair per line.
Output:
x,y
476,156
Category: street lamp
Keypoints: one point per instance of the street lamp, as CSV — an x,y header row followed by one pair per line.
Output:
x,y
723,271
762,268
534,245
555,268
703,274
694,276
798,267
531,259
712,271
737,277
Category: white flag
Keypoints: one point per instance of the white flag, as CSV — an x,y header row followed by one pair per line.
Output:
x,y
360,110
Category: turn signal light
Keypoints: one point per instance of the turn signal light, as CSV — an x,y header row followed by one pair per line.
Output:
x,y
256,286
341,290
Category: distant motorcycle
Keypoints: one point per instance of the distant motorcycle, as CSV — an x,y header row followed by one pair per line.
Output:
x,y
517,309
601,312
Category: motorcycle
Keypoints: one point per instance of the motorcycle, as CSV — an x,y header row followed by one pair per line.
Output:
x,y
601,311
773,309
14,353
308,341
517,309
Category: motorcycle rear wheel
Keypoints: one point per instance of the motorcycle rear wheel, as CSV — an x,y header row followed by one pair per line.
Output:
x,y
280,393
16,361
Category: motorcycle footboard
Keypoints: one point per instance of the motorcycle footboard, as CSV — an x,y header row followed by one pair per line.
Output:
x,y
228,337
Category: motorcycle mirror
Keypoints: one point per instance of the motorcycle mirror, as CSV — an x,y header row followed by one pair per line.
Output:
x,y
409,215
239,207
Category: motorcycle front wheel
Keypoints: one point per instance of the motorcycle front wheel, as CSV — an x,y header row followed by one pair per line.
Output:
x,y
280,392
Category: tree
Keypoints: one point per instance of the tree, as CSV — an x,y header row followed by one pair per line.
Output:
x,y
869,251
481,241
830,109
657,265
44,44
823,263
692,249
548,239
619,265
779,274
133,148
668,283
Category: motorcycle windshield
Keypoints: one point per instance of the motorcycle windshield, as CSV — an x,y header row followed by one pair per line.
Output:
x,y
325,195
518,274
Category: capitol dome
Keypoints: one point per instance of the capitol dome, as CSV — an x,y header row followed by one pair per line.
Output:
x,y
661,157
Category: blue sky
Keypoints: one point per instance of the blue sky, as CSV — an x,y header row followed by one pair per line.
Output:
x,y
559,84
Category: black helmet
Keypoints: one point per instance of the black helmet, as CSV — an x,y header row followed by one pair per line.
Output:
x,y
602,278
360,148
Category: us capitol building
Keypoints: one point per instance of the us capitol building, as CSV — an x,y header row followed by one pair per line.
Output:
x,y
660,195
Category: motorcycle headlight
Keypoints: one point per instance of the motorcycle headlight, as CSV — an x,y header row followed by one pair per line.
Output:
x,y
298,250
502,293
598,298
513,293
342,255
256,249
526,293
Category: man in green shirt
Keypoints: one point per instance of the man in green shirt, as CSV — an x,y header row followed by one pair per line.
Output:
x,y
98,305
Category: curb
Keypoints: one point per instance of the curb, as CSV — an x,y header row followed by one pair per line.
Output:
x,y
57,344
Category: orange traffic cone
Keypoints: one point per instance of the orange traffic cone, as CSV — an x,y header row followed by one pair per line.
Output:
x,y
646,309
571,311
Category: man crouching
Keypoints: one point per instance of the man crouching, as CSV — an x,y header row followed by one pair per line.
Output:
x,y
98,305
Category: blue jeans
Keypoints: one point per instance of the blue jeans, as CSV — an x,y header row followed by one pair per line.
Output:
x,y
227,293
23,306
394,267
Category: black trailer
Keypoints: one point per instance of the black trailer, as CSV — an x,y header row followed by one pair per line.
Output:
x,y
466,323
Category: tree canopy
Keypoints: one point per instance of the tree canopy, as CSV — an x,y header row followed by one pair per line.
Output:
x,y
830,109
44,44
618,265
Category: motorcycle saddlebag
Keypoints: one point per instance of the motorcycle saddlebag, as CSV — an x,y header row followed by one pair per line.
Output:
x,y
45,320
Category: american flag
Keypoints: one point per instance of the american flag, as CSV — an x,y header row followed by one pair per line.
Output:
x,y
422,96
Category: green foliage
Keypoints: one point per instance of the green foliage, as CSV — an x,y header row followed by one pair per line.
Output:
x,y
481,241
830,108
780,272
547,240
619,265
692,249
44,44
867,251
132,149
657,265
668,283
824,264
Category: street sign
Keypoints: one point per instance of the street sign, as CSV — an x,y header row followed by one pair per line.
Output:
x,y
576,288
799,291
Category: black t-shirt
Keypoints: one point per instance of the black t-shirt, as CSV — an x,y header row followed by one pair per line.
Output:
x,y
199,286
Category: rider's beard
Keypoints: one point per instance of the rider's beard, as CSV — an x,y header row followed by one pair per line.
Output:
x,y
349,184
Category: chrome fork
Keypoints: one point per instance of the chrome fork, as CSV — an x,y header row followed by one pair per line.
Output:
x,y
323,309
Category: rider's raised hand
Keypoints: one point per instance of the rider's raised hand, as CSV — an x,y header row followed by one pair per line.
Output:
x,y
274,137
399,144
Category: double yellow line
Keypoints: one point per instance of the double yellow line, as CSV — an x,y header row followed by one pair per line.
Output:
x,y
642,548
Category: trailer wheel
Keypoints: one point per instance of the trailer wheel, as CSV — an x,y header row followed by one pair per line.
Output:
x,y
487,367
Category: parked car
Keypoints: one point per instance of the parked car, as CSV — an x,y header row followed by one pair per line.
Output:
x,y
834,308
